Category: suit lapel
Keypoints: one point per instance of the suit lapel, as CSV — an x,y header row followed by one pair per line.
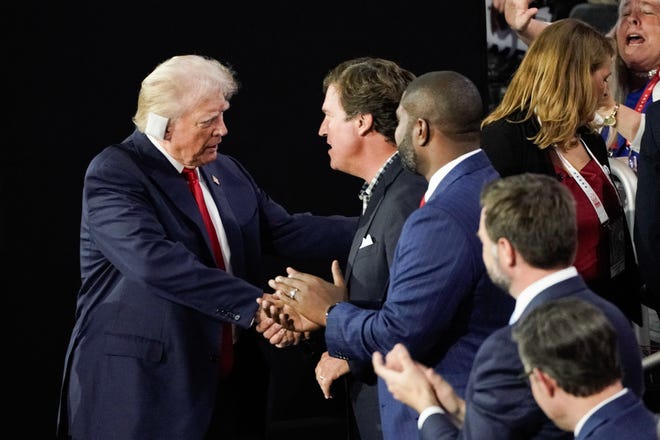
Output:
x,y
366,219
605,414
164,176
229,222
469,165
173,185
562,289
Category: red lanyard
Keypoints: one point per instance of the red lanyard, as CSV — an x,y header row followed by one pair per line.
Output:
x,y
647,92
641,102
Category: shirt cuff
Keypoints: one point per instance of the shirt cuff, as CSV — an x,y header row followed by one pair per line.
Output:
x,y
426,413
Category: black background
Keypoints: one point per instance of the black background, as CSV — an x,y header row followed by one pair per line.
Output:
x,y
74,73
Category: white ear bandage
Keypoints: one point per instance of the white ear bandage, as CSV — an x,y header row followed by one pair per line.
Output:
x,y
156,125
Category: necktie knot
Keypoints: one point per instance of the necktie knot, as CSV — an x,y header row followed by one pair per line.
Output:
x,y
190,174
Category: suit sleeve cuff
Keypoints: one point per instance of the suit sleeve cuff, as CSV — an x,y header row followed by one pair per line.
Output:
x,y
426,413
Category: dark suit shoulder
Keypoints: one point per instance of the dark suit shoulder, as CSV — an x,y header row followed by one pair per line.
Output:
x,y
653,114
629,352
408,188
508,146
120,159
397,192
500,405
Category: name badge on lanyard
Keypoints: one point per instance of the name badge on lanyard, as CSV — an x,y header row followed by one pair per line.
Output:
x,y
615,227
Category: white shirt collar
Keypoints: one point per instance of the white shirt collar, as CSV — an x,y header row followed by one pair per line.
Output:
x,y
179,166
440,174
531,291
583,420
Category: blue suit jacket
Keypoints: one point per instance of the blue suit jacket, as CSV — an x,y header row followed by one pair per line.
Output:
x,y
440,303
624,418
142,357
647,207
395,196
499,405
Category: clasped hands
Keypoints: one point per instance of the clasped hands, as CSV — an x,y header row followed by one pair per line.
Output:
x,y
417,385
298,305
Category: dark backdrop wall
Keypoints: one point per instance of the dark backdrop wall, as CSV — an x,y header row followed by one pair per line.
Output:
x,y
75,73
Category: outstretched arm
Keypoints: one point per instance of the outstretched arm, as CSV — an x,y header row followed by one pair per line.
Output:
x,y
520,18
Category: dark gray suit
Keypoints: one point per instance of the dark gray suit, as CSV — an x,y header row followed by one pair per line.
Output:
x,y
394,197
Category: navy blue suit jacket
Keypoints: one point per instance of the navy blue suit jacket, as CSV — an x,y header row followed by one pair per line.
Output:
x,y
440,303
500,405
624,418
647,207
143,354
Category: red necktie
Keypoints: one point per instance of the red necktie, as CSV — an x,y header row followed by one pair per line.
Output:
x,y
422,202
227,348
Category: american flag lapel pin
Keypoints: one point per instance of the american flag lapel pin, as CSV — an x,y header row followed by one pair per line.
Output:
x,y
215,180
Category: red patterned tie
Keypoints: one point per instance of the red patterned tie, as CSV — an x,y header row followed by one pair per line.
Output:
x,y
227,348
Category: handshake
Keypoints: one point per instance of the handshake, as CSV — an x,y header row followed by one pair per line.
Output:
x,y
299,305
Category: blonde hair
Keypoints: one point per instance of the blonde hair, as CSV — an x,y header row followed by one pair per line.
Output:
x,y
621,77
554,81
178,84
